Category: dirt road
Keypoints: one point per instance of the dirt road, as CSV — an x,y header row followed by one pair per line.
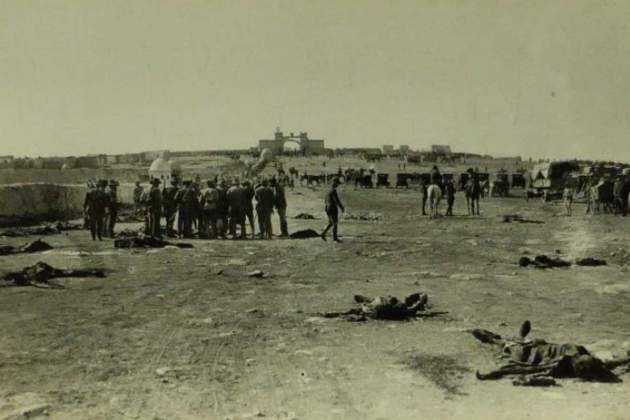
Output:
x,y
176,333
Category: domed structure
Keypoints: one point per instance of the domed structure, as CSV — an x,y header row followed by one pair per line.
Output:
x,y
161,170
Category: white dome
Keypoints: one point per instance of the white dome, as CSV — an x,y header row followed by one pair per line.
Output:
x,y
160,165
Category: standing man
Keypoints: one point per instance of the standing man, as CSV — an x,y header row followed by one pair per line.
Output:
x,y
236,200
567,197
280,203
137,197
154,209
113,205
209,204
86,217
187,208
333,204
264,207
249,206
94,207
222,209
450,196
423,195
169,198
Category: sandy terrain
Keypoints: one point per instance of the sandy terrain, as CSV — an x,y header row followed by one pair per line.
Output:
x,y
164,336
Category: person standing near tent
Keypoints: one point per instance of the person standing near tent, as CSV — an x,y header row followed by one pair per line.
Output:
x,y
332,206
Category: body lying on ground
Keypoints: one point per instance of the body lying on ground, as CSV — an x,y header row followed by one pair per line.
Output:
x,y
540,358
42,273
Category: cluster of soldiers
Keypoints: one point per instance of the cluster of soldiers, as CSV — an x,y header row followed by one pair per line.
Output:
x,y
212,209
100,208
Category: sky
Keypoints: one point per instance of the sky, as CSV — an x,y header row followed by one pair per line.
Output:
x,y
541,78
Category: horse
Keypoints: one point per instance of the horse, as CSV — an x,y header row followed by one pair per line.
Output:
x,y
473,191
434,196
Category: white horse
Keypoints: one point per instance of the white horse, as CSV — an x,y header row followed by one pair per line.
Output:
x,y
434,196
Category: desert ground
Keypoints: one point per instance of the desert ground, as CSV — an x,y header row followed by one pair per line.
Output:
x,y
185,333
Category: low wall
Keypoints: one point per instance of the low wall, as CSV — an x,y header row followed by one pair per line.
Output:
x,y
22,204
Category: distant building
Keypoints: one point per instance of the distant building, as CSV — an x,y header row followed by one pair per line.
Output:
x,y
388,149
160,169
307,146
151,155
87,162
404,149
441,149
7,159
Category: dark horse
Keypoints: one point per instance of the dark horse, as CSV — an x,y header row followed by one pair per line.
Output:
x,y
473,191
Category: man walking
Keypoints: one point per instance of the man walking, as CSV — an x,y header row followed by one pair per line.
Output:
x,y
332,206
264,207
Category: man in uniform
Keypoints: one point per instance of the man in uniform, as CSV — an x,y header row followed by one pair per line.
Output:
x,y
137,197
95,206
169,198
236,199
222,209
154,208
187,206
332,206
112,204
249,206
280,204
449,191
264,207
209,205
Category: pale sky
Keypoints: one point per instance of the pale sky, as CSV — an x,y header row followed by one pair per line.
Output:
x,y
543,78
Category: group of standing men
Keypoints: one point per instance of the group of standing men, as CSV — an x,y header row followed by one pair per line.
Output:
x,y
212,209
100,208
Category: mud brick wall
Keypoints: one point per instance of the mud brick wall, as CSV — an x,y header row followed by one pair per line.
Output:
x,y
22,204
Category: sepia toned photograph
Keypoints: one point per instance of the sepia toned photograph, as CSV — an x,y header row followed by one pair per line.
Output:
x,y
314,209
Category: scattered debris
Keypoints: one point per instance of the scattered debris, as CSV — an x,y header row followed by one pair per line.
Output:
x,y
256,273
537,362
139,240
48,229
41,273
509,218
364,217
30,248
387,308
305,234
305,216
